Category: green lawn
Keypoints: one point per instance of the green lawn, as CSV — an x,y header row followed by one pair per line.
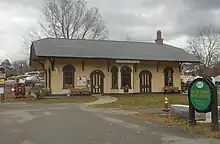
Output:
x,y
147,101
75,99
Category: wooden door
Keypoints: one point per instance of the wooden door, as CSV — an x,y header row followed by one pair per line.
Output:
x,y
97,82
145,81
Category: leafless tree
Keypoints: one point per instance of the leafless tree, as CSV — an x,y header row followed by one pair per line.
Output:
x,y
31,36
70,20
205,46
128,38
20,66
190,69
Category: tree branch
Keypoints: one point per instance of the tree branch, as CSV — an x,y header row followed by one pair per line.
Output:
x,y
205,46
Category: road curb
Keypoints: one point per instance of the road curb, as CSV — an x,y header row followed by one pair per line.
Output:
x,y
14,103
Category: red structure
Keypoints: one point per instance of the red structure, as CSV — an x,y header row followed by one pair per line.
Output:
x,y
19,89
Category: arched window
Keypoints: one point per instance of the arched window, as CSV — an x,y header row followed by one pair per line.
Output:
x,y
168,77
68,76
126,76
114,71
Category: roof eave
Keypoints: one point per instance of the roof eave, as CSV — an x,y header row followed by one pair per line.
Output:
x,y
61,57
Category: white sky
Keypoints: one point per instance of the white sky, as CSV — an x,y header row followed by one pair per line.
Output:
x,y
137,18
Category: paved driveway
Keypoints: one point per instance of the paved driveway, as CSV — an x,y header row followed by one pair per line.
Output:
x,y
79,124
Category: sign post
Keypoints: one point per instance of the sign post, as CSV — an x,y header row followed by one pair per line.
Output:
x,y
203,98
2,83
215,124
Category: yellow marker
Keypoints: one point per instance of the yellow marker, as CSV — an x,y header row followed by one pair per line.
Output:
x,y
2,81
166,100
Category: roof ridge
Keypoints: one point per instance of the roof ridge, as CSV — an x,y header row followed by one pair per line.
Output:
x,y
118,41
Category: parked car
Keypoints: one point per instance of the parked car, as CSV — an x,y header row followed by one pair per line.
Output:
x,y
31,80
39,84
10,81
32,73
41,78
21,78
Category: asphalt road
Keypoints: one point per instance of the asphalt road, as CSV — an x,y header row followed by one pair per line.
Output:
x,y
78,124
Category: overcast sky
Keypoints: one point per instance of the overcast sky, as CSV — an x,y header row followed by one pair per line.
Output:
x,y
139,19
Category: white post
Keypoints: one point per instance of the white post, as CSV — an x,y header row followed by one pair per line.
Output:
x,y
208,117
132,79
119,77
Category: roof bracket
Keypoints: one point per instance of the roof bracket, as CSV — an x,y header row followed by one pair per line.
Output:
x,y
180,65
83,65
158,65
135,67
52,62
108,65
41,63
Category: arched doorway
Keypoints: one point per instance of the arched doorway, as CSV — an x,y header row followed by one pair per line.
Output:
x,y
97,82
126,76
145,81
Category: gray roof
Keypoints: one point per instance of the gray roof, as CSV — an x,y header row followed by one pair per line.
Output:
x,y
51,47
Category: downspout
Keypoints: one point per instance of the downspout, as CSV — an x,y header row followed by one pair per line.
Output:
x,y
133,82
133,79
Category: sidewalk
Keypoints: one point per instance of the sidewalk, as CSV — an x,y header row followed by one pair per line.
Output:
x,y
103,100
13,103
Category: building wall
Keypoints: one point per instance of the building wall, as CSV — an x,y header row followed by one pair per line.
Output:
x,y
91,65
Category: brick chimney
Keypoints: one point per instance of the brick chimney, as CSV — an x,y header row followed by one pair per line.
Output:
x,y
159,39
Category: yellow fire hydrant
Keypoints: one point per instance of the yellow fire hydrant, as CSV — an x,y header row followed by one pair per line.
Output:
x,y
166,108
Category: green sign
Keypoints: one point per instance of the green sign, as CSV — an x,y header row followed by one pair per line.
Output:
x,y
200,95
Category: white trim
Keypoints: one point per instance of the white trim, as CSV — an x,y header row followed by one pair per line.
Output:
x,y
127,61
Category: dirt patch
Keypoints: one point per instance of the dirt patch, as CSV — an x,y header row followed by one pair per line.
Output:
x,y
201,129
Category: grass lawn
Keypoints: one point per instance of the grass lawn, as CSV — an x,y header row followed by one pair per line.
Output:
x,y
147,101
203,129
75,99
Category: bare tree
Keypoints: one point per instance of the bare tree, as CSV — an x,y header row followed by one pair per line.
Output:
x,y
20,66
128,38
205,46
6,64
31,36
72,20
190,69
